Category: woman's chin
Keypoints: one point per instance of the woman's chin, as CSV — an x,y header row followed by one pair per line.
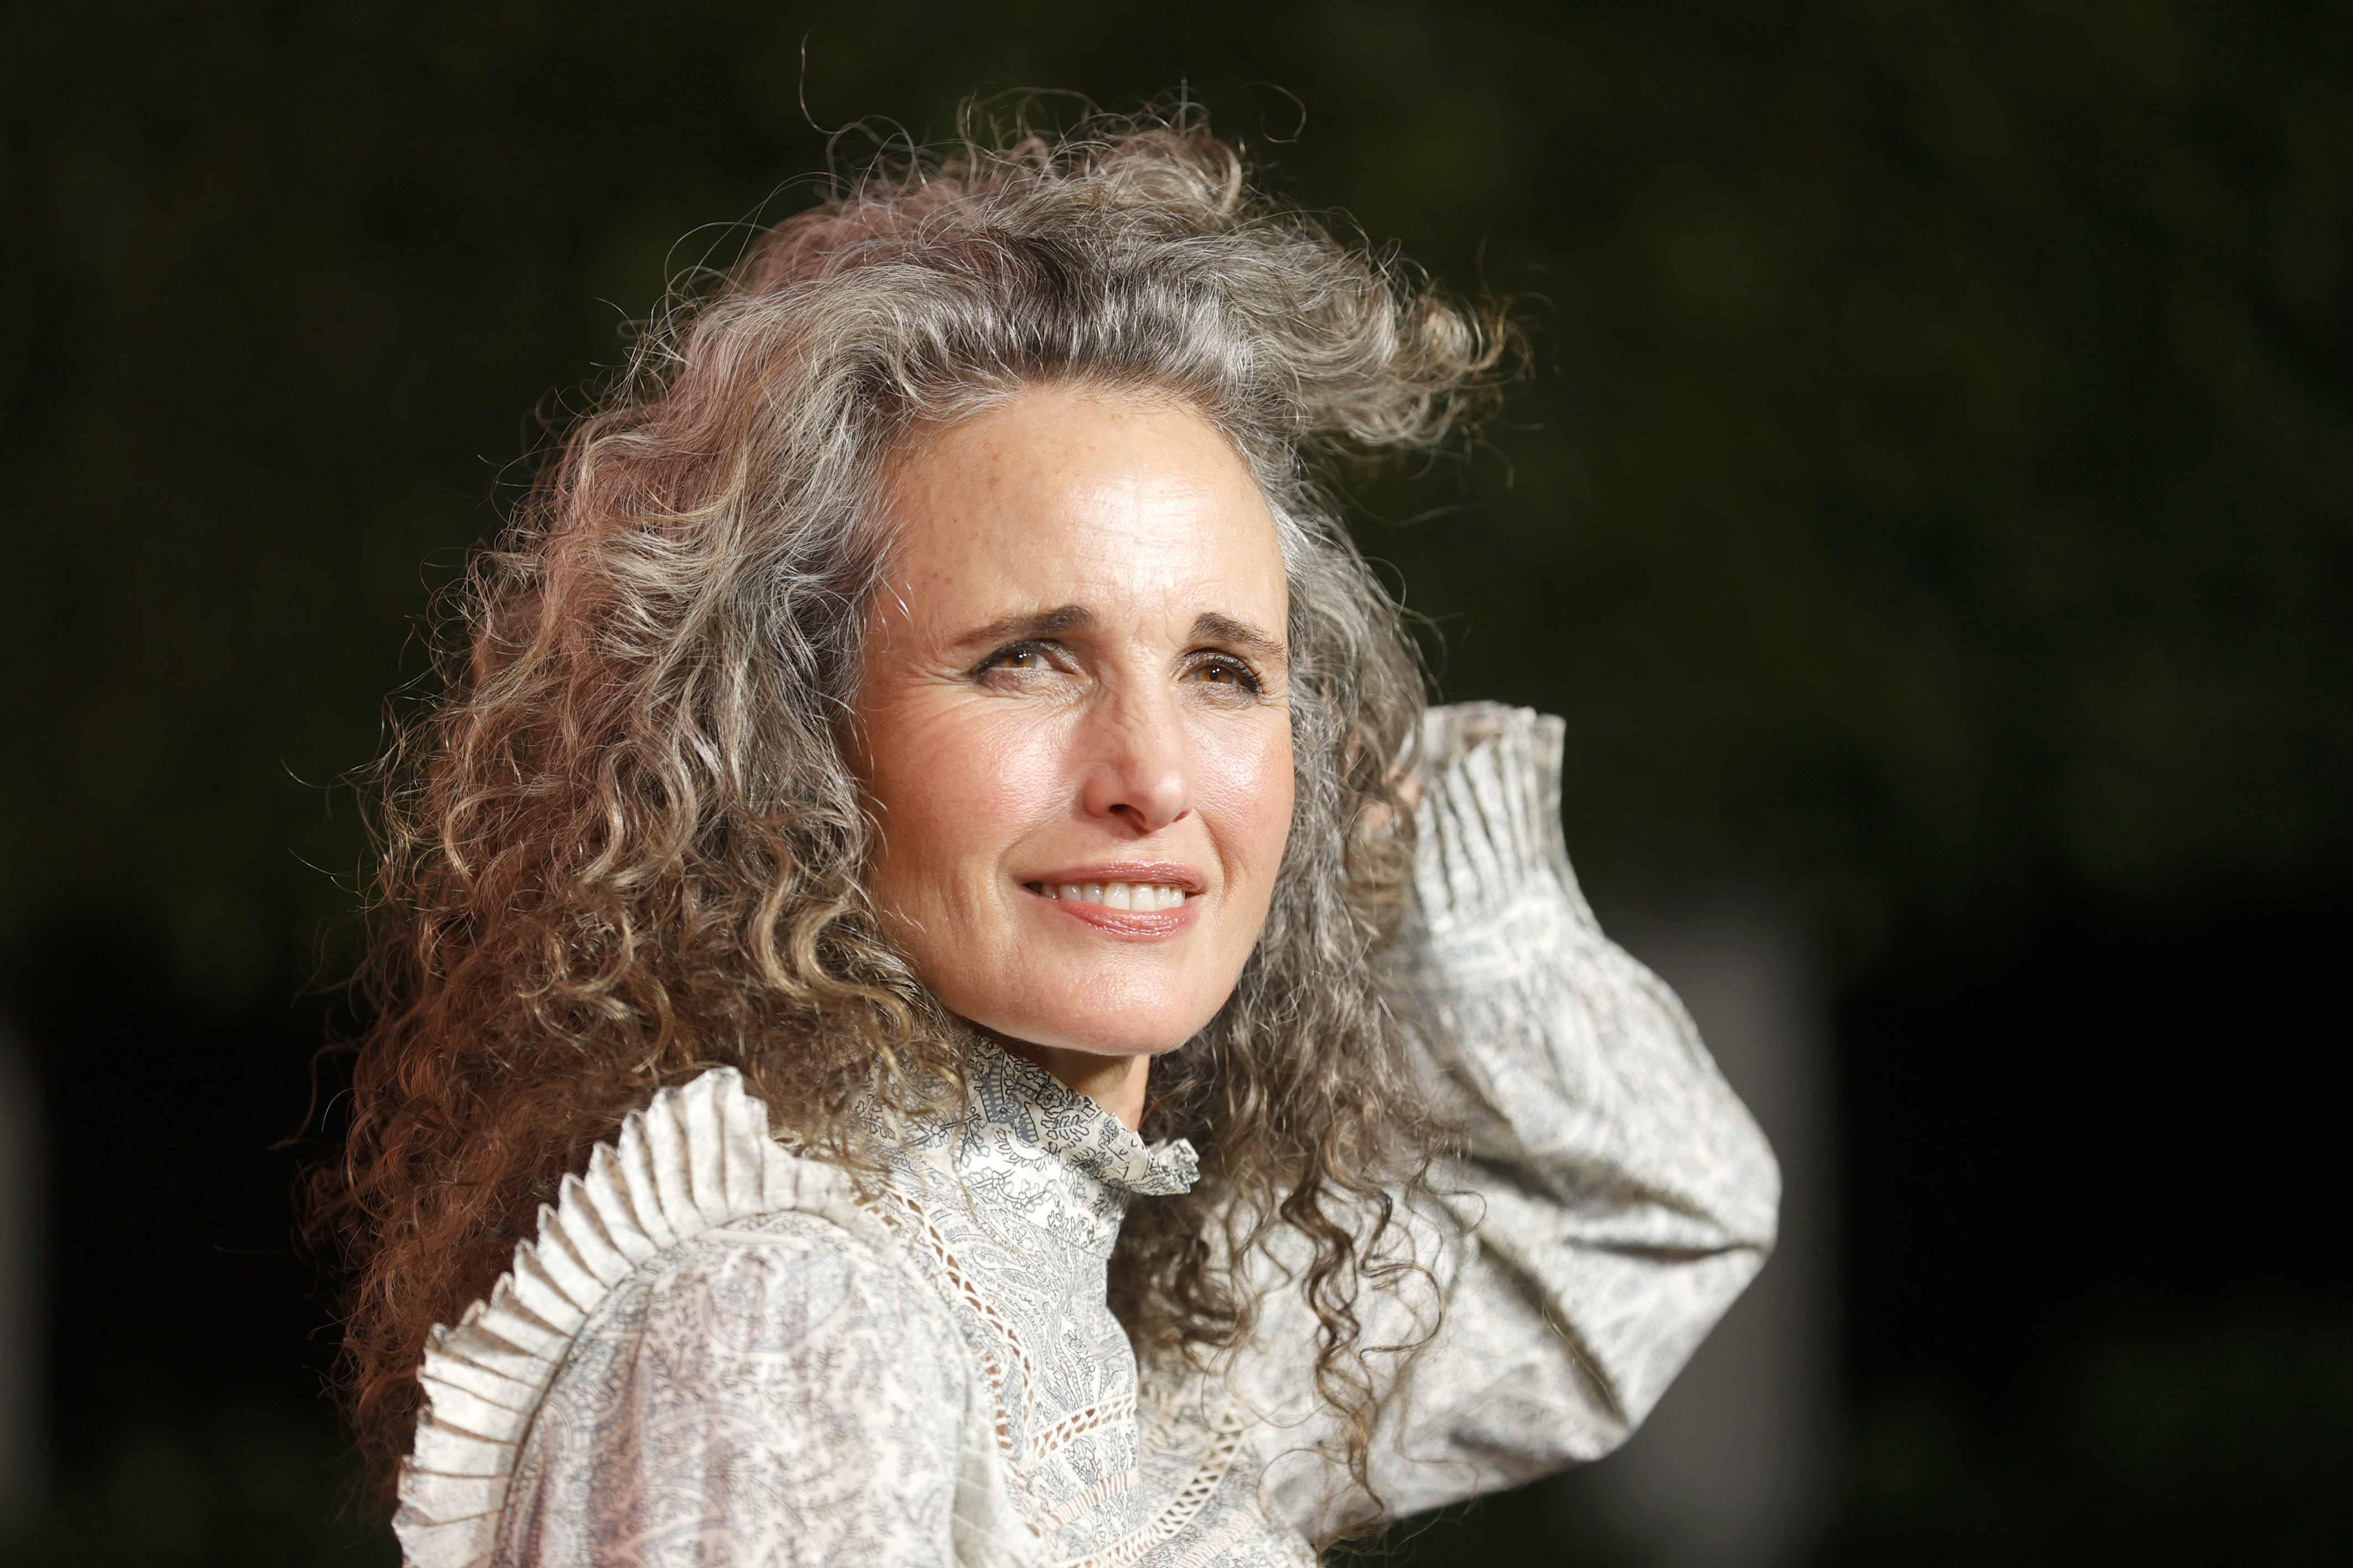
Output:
x,y
1108,1010
1094,1036
1094,1044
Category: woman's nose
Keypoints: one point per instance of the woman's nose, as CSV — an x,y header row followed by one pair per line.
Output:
x,y
1137,768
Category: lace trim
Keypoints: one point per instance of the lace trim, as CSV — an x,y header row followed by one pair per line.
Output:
x,y
911,1216
1035,1446
1093,1497
1077,1425
1225,1431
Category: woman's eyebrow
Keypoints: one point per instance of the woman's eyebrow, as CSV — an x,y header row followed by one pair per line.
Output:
x,y
1031,624
1211,626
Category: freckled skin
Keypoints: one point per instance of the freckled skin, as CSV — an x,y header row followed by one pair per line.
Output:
x,y
1060,673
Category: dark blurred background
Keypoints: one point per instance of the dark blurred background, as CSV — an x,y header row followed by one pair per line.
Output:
x,y
1932,511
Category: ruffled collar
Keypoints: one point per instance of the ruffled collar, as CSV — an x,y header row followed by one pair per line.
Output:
x,y
1024,1145
1033,1103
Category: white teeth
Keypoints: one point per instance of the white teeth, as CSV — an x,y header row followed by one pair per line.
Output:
x,y
1130,896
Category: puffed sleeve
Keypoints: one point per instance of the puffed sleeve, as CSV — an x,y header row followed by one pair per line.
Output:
x,y
1614,1197
777,1397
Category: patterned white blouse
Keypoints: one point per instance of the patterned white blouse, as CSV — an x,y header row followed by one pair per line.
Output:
x,y
719,1353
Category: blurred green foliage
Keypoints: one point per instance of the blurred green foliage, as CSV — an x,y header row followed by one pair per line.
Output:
x,y
1934,484
243,1488
2219,1441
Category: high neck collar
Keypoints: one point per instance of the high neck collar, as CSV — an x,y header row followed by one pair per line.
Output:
x,y
1039,1108
1025,1147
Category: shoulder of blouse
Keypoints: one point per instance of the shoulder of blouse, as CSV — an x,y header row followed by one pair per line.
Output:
x,y
694,1162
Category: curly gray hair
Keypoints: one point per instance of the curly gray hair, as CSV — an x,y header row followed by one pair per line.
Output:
x,y
627,843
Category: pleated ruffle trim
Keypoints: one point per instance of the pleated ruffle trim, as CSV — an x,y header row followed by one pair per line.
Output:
x,y
696,1159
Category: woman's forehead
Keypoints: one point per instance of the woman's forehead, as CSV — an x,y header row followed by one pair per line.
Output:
x,y
1072,498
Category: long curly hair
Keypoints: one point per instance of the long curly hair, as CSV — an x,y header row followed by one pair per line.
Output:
x,y
625,845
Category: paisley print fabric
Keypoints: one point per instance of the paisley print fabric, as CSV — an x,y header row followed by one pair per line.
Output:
x,y
795,1376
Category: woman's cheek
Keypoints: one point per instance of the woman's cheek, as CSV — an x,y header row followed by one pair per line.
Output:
x,y
1247,785
1012,777
938,795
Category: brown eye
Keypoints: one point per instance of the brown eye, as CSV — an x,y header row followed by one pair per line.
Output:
x,y
1227,674
1018,656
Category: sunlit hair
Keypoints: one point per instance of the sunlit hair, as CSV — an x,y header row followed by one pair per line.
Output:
x,y
624,847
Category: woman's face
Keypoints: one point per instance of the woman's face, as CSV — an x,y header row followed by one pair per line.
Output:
x,y
1073,725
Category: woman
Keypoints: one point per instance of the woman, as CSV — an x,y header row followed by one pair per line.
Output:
x,y
945,999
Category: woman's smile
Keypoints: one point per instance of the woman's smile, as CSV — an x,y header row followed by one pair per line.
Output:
x,y
1138,902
